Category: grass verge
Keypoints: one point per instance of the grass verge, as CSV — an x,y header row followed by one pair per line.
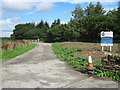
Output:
x,y
79,62
6,55
68,55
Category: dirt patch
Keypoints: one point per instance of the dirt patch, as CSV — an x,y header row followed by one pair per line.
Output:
x,y
94,48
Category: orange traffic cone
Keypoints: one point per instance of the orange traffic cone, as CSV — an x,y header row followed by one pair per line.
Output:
x,y
90,65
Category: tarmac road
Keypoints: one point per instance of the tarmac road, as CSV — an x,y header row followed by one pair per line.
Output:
x,y
40,68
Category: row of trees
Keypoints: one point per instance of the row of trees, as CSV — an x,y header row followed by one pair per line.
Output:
x,y
85,25
32,30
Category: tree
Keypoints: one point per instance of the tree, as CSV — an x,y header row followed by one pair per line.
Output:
x,y
78,12
55,23
114,25
21,29
40,25
58,21
94,10
55,34
99,10
90,10
41,30
30,31
47,25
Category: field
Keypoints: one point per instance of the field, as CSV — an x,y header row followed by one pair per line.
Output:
x,y
94,48
76,54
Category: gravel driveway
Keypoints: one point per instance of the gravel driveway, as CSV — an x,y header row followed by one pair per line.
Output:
x,y
40,68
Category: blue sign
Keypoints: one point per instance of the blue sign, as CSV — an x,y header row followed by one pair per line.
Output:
x,y
107,40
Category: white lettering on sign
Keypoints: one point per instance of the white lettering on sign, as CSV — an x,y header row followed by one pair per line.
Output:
x,y
106,34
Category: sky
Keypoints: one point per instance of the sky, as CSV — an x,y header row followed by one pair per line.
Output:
x,y
13,12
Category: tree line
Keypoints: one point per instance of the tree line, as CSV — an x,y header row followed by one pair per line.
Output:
x,y
86,25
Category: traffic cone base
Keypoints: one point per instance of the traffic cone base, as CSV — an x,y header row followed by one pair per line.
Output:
x,y
90,65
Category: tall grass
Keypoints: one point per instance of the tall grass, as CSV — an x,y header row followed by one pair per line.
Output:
x,y
6,55
15,48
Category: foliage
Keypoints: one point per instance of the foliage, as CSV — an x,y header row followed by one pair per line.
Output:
x,y
30,31
55,33
81,63
102,73
78,12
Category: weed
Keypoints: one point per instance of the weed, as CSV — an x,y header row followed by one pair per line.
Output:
x,y
79,62
68,55
113,76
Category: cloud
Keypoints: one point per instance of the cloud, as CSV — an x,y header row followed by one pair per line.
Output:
x,y
15,6
39,5
1,15
6,34
0,10
61,1
36,1
8,24
29,13
63,22
110,6
50,22
43,7
79,1
108,9
18,5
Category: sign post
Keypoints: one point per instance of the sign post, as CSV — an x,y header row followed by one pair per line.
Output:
x,y
106,39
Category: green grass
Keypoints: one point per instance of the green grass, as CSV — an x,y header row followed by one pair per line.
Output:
x,y
6,55
79,62
68,55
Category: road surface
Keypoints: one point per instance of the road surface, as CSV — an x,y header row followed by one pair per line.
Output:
x,y
40,68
